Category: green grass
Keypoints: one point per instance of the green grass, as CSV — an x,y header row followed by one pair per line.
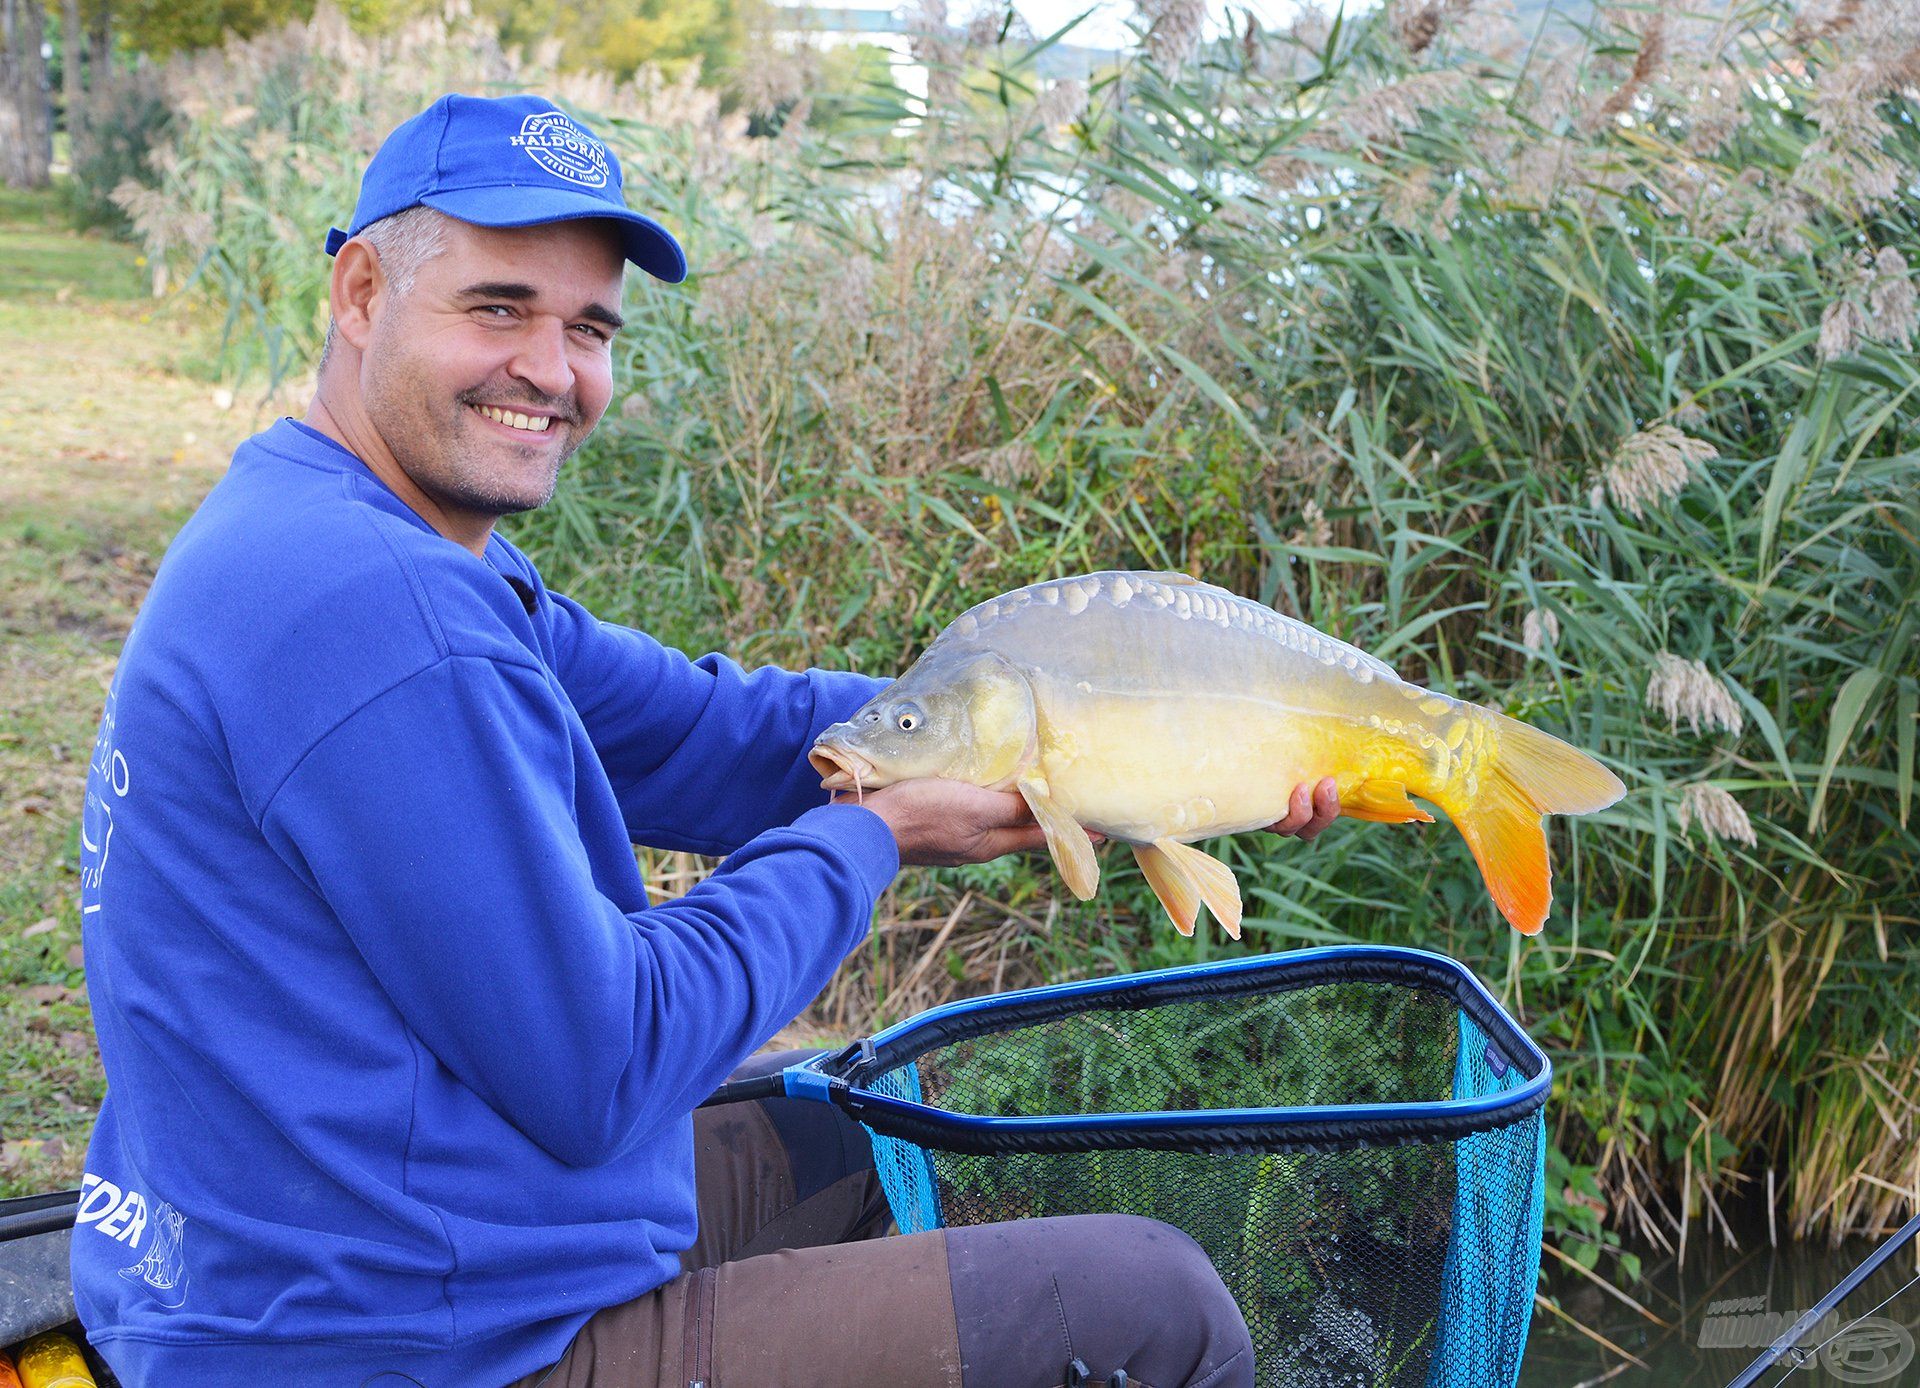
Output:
x,y
42,258
105,449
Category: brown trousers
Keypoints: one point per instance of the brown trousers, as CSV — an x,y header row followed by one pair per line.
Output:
x,y
790,1284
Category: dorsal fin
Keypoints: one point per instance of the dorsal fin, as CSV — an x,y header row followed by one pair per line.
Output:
x,y
1291,630
1169,576
1314,634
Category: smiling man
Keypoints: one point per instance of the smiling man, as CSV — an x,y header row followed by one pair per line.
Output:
x,y
462,456
402,1061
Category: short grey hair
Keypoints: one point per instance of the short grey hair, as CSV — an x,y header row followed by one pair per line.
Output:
x,y
403,242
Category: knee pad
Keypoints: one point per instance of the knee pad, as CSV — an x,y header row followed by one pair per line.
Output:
x,y
1177,1286
1040,1301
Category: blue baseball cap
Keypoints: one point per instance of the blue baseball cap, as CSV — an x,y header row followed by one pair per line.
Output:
x,y
506,161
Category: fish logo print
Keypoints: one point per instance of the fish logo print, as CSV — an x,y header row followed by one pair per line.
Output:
x,y
108,780
164,1266
563,149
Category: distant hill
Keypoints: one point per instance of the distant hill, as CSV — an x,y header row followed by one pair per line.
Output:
x,y
1528,12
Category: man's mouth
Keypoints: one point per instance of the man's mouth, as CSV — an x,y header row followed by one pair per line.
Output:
x,y
514,419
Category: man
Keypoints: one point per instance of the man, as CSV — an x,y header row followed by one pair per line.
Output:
x,y
402,1063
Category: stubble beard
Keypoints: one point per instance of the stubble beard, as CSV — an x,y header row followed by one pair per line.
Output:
x,y
435,446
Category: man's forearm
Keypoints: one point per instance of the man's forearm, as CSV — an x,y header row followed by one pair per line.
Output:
x,y
703,755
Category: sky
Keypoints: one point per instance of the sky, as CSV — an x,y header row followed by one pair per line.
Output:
x,y
1107,26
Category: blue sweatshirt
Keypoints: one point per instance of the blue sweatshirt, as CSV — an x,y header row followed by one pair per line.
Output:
x,y
400,1059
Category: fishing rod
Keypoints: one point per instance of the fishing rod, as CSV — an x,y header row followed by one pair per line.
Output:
x,y
1794,1333
27,1215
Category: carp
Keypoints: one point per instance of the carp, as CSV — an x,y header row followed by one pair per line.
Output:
x,y
1159,710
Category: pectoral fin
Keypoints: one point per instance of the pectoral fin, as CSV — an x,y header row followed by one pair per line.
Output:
x,y
1211,878
1171,884
1071,848
1384,802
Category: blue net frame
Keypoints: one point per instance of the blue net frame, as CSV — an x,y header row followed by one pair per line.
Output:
x,y
1354,1134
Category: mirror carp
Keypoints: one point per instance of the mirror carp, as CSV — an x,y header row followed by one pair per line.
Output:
x,y
1158,710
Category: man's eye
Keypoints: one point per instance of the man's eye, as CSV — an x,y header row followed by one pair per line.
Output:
x,y
490,309
596,334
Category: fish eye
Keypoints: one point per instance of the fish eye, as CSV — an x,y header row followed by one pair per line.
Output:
x,y
908,721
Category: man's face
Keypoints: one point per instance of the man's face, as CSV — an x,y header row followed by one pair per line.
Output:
x,y
513,322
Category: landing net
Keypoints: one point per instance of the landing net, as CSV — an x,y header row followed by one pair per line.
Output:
x,y
1354,1135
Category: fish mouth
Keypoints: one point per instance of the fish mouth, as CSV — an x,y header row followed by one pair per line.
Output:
x,y
840,768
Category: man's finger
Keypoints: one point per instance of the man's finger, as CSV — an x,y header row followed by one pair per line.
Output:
x,y
1025,840
1299,811
1326,808
986,845
1001,809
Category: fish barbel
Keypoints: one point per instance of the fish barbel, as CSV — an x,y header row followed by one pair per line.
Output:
x,y
1159,710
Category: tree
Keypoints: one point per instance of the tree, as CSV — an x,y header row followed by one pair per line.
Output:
x,y
72,43
669,34
852,77
26,114
100,36
159,28
619,36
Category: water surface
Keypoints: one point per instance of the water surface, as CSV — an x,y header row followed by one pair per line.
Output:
x,y
1730,1297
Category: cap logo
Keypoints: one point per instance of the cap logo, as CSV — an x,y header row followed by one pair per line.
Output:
x,y
563,149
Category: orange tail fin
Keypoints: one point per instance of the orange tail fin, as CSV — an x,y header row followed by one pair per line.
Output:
x,y
1531,774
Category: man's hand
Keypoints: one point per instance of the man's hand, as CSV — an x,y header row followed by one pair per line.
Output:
x,y
941,823
1309,810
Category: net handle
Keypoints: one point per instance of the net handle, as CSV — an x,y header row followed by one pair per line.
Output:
x,y
772,1086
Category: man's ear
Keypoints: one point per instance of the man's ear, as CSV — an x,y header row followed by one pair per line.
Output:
x,y
357,284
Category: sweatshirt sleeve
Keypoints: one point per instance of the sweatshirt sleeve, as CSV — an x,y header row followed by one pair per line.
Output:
x,y
439,824
702,755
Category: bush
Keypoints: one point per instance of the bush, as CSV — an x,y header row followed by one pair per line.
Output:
x,y
113,132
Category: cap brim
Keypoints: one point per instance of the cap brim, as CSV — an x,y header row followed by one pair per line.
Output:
x,y
646,243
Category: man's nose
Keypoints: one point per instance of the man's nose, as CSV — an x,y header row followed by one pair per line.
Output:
x,y
542,358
